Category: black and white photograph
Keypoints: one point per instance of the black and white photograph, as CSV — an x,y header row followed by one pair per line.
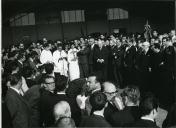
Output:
x,y
88,63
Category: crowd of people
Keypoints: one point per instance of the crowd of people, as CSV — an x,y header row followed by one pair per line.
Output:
x,y
121,80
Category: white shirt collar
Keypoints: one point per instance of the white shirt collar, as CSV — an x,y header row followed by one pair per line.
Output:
x,y
61,93
16,90
147,118
98,113
20,62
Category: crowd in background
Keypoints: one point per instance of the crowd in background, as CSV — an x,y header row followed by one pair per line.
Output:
x,y
94,81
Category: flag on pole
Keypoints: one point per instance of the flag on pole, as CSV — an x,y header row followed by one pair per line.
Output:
x,y
147,31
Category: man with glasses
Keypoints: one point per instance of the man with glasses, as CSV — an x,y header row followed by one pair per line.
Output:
x,y
110,90
47,100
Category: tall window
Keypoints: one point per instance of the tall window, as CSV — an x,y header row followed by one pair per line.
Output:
x,y
72,16
23,19
117,13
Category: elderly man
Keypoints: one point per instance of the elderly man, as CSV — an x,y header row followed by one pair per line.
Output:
x,y
114,104
62,109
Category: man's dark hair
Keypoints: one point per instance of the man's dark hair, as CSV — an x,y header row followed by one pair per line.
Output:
x,y
44,77
27,71
20,56
46,45
65,122
49,67
14,79
148,103
13,66
98,101
12,54
33,54
165,38
97,78
61,83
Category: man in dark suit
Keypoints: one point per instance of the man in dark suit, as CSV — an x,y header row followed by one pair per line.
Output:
x,y
83,61
47,102
101,54
130,114
143,64
20,59
98,101
128,63
31,62
117,55
18,107
61,86
91,52
111,91
6,118
168,72
33,98
148,108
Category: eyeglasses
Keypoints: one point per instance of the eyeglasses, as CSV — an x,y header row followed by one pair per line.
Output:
x,y
111,93
50,83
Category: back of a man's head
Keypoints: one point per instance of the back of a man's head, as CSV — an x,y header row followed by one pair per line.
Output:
x,y
61,83
13,65
49,68
98,101
148,104
132,93
65,122
62,109
15,79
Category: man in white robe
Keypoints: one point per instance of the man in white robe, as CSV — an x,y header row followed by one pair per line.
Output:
x,y
60,61
74,72
46,55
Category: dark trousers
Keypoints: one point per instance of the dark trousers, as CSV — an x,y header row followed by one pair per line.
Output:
x,y
118,76
84,70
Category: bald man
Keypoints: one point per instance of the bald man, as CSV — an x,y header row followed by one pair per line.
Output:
x,y
62,109
110,90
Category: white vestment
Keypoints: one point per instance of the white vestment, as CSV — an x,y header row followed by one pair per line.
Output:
x,y
74,72
61,64
46,56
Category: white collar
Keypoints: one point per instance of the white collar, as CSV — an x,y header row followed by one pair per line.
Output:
x,y
98,113
61,93
31,59
147,118
20,62
95,90
16,90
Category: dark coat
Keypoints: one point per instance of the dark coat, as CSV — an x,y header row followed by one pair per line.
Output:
x,y
19,109
47,102
94,121
168,58
83,56
31,64
101,54
126,117
6,117
129,57
33,97
145,123
108,112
